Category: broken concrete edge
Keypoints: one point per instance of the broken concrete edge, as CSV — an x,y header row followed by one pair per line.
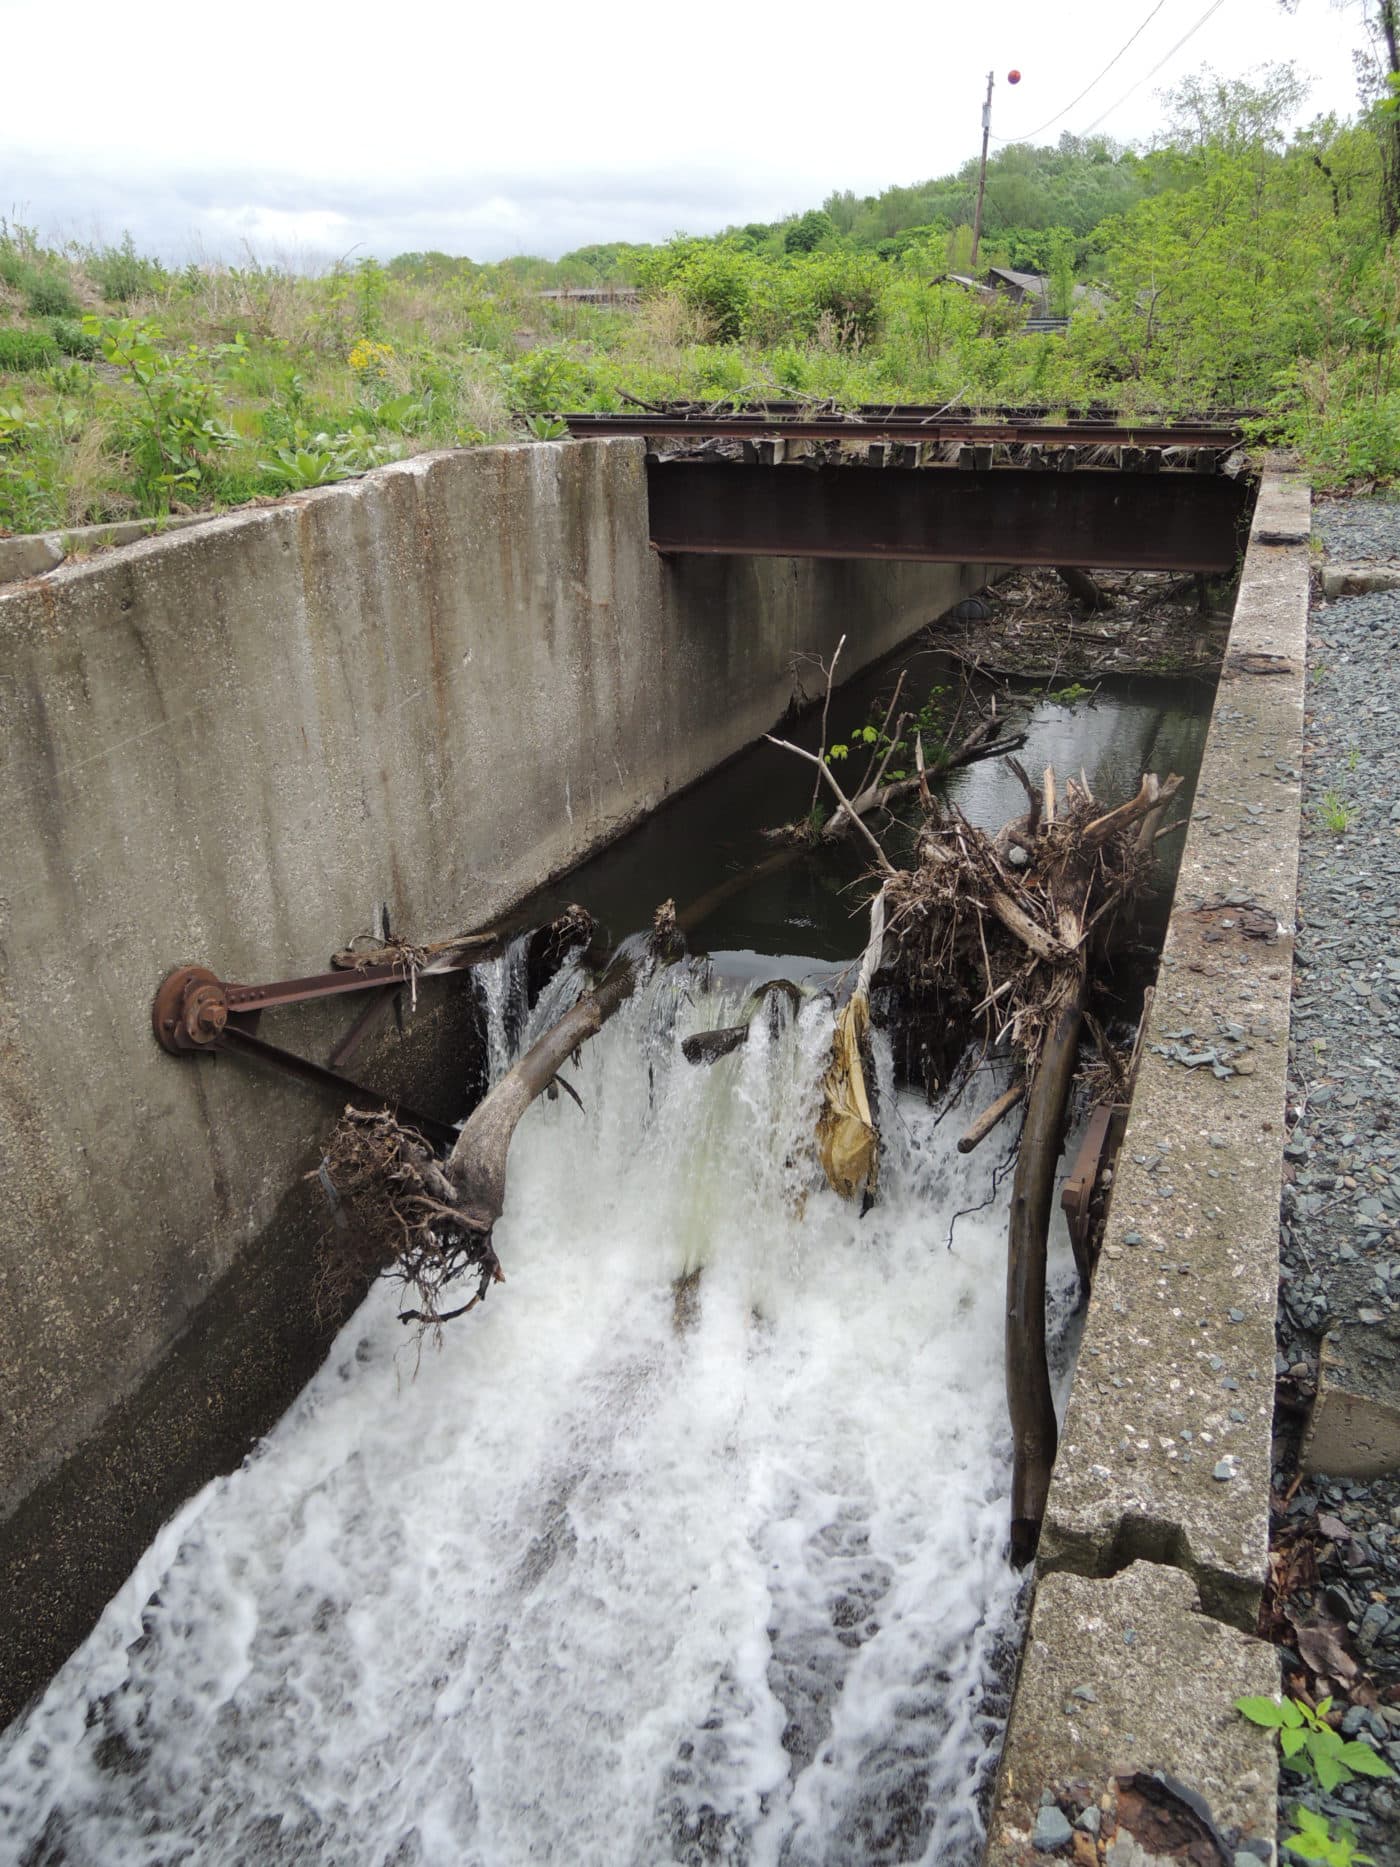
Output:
x,y
1125,1678
1158,1511
37,553
1354,1427
1358,579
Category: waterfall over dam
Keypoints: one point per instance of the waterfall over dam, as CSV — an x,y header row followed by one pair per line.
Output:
x,y
630,1569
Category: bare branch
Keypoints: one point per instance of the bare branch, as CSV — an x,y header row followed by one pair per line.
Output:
x,y
824,771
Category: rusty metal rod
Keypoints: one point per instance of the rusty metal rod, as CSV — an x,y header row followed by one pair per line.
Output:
x,y
242,998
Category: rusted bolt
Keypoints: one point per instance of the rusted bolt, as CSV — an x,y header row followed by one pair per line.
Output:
x,y
206,1013
190,1010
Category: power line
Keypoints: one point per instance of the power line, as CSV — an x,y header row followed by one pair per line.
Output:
x,y
1157,67
1031,134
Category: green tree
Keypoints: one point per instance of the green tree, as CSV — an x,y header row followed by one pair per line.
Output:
x,y
808,231
1060,266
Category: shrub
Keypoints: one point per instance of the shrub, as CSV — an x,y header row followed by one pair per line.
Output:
x,y
717,282
838,295
49,295
122,273
26,350
15,270
543,381
73,340
177,430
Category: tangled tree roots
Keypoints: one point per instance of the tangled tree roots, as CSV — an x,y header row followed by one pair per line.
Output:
x,y
396,1215
983,925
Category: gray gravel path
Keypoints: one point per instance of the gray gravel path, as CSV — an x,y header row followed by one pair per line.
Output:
x,y
1341,1211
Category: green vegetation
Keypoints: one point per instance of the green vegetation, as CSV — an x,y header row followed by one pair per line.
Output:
x,y
1336,813
1231,266
927,723
1308,1744
26,350
1313,1840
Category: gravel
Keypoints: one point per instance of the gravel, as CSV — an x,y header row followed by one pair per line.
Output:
x,y
1340,1220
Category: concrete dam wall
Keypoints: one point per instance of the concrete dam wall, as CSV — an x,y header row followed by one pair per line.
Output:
x,y
431,688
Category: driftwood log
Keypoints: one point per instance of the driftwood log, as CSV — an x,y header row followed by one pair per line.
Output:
x,y
476,1166
1029,1399
399,1212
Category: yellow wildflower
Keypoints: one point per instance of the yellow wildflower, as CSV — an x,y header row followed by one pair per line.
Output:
x,y
368,357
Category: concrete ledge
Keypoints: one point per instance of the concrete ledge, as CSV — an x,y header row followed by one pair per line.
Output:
x,y
39,552
1165,1450
1126,1676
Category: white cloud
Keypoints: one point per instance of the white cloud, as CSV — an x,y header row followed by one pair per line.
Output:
x,y
488,130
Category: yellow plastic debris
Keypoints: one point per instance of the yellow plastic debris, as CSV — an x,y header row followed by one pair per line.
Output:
x,y
847,1141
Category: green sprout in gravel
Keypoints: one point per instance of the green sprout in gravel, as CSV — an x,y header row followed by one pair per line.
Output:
x,y
1313,1840
1336,813
1309,1745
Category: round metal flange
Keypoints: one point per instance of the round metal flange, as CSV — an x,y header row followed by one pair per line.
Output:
x,y
190,1010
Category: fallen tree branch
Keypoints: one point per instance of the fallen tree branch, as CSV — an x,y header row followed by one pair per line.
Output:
x,y
1149,796
883,733
830,674
991,1116
826,772
1029,1398
477,1164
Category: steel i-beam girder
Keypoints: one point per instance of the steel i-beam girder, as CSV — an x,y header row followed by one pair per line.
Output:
x,y
1091,519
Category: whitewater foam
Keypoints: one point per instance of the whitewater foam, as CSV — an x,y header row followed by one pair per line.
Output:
x,y
631,1571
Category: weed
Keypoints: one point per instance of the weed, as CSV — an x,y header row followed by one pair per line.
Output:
x,y
1309,1745
49,295
295,469
1336,813
322,459
177,428
73,340
122,274
1313,1840
26,350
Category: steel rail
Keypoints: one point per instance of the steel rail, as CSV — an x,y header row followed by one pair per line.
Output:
x,y
931,428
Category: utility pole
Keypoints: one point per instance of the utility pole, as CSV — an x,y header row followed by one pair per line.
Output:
x,y
982,178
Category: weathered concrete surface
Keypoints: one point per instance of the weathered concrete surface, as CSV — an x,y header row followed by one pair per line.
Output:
x,y
1358,579
1124,1675
31,556
1165,1449
41,552
1354,1429
432,687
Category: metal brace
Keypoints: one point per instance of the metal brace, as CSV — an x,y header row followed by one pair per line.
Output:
x,y
195,1011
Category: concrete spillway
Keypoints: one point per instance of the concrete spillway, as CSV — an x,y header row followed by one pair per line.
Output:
x,y
616,1576
428,690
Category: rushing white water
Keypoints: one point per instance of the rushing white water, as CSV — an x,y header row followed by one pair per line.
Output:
x,y
623,1574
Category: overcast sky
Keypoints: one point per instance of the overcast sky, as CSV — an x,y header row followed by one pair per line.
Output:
x,y
309,129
